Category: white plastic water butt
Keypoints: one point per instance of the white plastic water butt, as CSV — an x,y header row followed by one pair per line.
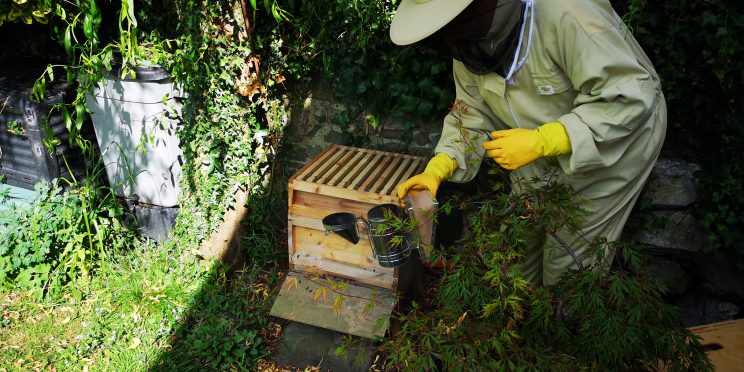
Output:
x,y
135,122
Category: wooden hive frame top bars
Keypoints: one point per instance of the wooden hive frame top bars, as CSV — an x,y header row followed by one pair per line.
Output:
x,y
359,174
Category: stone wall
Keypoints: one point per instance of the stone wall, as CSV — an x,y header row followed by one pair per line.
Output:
x,y
705,286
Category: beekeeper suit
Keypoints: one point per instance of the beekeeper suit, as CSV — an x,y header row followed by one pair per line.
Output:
x,y
549,85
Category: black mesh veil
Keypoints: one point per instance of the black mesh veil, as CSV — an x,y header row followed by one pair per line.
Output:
x,y
483,36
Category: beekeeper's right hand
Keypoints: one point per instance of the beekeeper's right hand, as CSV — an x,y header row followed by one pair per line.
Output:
x,y
440,168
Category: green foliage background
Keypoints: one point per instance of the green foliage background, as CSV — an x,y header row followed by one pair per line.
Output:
x,y
353,57
696,46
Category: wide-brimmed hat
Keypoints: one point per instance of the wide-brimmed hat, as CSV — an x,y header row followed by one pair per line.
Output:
x,y
416,19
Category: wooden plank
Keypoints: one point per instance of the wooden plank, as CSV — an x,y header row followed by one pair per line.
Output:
x,y
325,166
333,247
393,181
365,173
335,166
421,166
412,169
405,172
357,168
290,239
319,206
724,343
303,172
346,167
375,173
224,243
317,224
343,193
300,300
321,266
384,177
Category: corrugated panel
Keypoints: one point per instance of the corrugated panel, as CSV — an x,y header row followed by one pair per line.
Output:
x,y
24,160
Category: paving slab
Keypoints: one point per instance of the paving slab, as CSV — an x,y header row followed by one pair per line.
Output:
x,y
304,346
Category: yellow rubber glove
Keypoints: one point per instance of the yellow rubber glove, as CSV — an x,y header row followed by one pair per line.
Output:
x,y
440,168
513,148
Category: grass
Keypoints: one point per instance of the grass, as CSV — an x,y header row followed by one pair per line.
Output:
x,y
156,307
153,306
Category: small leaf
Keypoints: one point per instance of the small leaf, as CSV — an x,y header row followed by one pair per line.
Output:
x,y
79,115
320,291
291,283
88,27
368,307
337,305
68,42
130,11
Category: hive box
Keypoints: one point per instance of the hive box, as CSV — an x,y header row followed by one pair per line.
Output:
x,y
341,179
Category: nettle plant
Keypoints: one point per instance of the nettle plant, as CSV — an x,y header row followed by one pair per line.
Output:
x,y
59,237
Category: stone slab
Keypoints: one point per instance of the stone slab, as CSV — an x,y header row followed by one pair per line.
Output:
x,y
680,231
361,311
307,347
16,196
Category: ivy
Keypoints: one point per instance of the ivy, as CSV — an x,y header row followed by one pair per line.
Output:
x,y
235,112
353,56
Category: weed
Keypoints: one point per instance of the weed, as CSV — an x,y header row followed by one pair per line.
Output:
x,y
61,237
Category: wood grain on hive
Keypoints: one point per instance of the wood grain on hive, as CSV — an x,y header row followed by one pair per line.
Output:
x,y
724,344
343,179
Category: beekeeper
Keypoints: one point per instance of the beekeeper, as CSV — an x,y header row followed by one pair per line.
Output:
x,y
556,85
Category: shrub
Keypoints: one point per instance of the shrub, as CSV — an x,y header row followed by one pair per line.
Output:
x,y
485,315
354,57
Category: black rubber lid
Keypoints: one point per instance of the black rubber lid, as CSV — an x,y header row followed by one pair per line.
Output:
x,y
153,73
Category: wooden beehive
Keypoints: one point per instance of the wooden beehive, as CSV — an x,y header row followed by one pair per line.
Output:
x,y
343,179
